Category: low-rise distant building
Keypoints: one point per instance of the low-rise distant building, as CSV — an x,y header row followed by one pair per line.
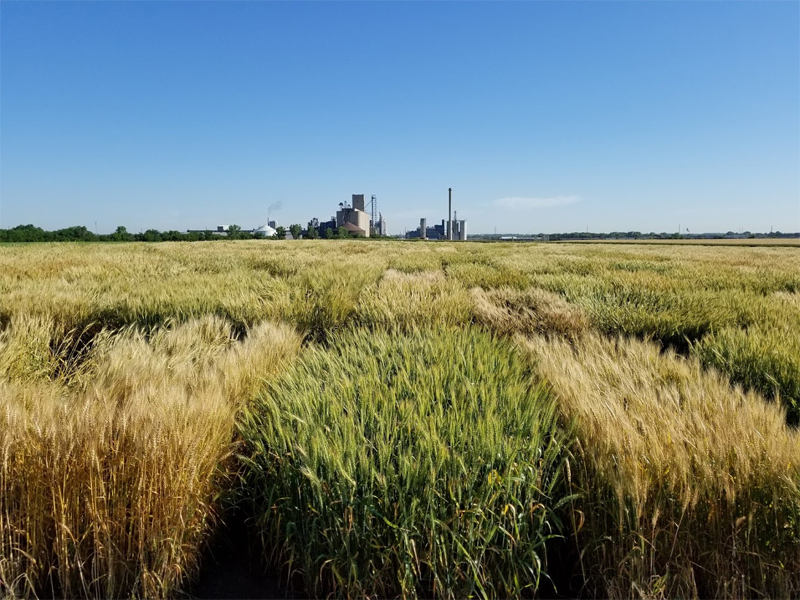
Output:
x,y
221,230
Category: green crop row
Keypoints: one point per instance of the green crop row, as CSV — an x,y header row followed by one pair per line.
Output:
x,y
421,464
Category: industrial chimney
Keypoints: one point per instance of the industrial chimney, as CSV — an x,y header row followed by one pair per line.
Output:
x,y
450,214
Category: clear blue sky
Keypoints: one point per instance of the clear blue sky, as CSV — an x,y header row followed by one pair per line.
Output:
x,y
541,116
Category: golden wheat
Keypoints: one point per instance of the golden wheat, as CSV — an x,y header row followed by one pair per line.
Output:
x,y
108,480
691,486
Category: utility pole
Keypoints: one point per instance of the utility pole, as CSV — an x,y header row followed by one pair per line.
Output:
x,y
450,214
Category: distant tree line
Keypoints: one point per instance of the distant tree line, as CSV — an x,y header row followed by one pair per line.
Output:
x,y
79,233
637,235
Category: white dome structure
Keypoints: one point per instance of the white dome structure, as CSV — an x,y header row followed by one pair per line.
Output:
x,y
264,230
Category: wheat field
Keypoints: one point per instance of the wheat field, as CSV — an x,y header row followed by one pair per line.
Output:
x,y
402,419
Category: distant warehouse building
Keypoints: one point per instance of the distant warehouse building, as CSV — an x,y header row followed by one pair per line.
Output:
x,y
221,230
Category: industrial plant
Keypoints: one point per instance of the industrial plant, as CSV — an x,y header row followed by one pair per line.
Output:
x,y
440,231
451,229
355,218
361,218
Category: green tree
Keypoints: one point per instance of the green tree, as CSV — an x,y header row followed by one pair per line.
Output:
x,y
71,234
296,230
121,234
329,235
27,233
312,233
234,232
280,232
342,233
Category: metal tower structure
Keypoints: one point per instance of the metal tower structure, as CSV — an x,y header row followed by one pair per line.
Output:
x,y
374,206
373,210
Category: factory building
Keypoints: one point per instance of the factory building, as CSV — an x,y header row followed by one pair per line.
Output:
x,y
359,218
323,226
439,232
353,217
380,228
450,229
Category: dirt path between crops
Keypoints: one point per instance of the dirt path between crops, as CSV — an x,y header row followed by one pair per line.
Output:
x,y
230,569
